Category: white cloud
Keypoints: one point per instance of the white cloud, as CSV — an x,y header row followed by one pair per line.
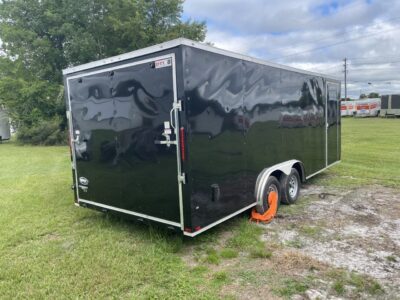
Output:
x,y
367,32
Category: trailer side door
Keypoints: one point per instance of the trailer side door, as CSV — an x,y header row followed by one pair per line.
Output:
x,y
333,122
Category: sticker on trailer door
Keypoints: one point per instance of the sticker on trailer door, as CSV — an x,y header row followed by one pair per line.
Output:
x,y
162,63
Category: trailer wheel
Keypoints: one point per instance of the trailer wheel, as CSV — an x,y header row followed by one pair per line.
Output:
x,y
271,186
290,187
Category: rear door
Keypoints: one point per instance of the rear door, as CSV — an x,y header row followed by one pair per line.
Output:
x,y
333,122
118,118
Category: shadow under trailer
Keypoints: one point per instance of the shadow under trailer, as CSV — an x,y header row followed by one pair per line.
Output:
x,y
188,135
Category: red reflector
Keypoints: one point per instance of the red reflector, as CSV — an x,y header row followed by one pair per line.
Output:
x,y
197,228
182,142
187,229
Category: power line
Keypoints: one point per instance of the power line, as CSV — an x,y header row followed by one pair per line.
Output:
x,y
378,80
373,57
374,63
369,69
335,44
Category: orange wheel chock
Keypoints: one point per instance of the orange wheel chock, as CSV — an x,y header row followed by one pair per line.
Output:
x,y
270,213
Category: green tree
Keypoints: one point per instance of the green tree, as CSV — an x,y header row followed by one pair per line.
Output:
x,y
373,95
362,96
42,37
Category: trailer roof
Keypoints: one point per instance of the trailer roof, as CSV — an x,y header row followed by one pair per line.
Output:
x,y
187,42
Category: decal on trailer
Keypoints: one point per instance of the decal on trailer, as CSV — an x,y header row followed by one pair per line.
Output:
x,y
162,63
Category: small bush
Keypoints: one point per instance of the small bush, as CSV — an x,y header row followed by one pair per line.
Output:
x,y
47,133
260,253
391,258
338,287
212,256
220,276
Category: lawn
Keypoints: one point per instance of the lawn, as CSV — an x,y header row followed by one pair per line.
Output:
x,y
370,154
49,248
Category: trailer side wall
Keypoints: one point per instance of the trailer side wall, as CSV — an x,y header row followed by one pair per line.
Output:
x,y
244,117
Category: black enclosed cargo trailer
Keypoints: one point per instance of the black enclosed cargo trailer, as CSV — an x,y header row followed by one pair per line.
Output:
x,y
189,135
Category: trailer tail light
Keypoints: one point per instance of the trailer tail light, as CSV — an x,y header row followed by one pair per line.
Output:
x,y
182,143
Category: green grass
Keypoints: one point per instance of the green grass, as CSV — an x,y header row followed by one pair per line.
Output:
x,y
212,257
361,283
370,154
260,253
246,236
296,243
291,287
221,277
228,253
310,231
391,258
338,286
51,249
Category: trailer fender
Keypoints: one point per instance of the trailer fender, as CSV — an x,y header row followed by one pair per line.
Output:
x,y
284,167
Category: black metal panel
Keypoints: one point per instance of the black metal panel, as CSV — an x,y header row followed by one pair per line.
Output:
x,y
242,118
215,141
284,118
120,114
385,102
395,101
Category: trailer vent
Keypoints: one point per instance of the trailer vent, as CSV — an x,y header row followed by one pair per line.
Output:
x,y
385,102
395,101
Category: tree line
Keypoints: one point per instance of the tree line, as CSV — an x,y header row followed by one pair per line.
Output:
x,y
39,38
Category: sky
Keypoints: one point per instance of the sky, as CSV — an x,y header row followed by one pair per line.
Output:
x,y
312,35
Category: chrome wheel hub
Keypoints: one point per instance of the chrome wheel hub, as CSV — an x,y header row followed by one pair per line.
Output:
x,y
293,186
272,188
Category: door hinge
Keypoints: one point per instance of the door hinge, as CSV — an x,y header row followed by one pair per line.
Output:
x,y
83,188
177,105
182,178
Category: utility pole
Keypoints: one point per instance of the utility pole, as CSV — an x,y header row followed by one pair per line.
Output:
x,y
345,78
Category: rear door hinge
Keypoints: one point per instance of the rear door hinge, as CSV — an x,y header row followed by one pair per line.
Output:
x,y
177,105
182,178
83,188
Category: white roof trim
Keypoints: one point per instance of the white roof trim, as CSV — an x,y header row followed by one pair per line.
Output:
x,y
183,41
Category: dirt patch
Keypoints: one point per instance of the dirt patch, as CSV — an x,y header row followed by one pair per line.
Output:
x,y
332,244
358,230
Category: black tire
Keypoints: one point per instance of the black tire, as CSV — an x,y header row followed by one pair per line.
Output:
x,y
290,186
272,184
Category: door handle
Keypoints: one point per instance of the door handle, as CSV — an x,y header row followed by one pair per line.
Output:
x,y
167,134
175,106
